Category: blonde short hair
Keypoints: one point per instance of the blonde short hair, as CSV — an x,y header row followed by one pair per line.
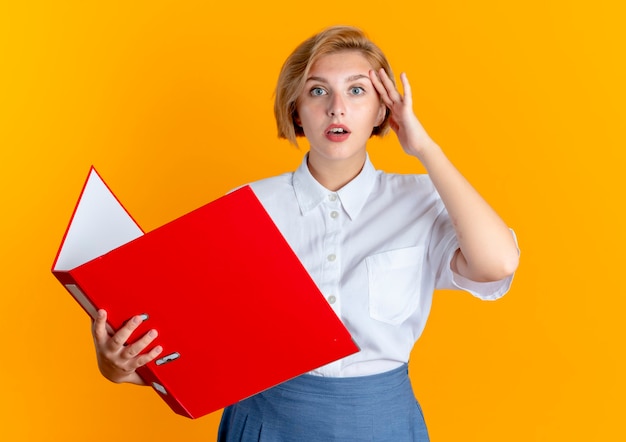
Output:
x,y
296,68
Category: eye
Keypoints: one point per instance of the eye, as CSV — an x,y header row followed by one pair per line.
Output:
x,y
317,91
357,90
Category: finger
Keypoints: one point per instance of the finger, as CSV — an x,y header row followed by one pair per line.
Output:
x,y
147,357
380,88
99,331
406,88
119,339
384,86
392,91
140,345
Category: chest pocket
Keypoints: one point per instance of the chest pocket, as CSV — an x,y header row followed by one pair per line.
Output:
x,y
394,284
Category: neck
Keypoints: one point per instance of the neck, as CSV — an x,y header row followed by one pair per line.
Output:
x,y
334,174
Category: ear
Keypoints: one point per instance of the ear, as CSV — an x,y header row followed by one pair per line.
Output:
x,y
382,113
296,119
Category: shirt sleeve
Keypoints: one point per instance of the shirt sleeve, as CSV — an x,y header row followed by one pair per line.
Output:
x,y
446,241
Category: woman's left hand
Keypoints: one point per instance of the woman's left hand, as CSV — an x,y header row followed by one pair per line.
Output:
x,y
411,134
488,251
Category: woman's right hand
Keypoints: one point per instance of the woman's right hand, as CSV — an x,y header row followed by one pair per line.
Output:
x,y
116,360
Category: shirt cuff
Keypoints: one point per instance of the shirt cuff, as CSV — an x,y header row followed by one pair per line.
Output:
x,y
487,291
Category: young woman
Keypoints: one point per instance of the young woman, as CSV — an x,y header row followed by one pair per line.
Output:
x,y
376,244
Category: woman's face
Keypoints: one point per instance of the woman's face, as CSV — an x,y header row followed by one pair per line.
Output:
x,y
339,107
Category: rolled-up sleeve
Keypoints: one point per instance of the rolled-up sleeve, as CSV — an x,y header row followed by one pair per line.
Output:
x,y
447,279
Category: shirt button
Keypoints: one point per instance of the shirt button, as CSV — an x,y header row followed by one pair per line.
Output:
x,y
332,197
332,299
331,257
334,214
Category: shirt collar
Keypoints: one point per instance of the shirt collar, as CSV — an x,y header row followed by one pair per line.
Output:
x,y
353,195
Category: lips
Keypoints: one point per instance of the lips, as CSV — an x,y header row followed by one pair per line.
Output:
x,y
337,132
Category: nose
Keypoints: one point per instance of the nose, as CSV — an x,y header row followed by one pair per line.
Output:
x,y
336,106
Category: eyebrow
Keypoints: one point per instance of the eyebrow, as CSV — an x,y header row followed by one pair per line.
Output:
x,y
349,79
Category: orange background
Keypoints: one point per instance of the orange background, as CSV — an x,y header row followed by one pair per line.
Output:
x,y
172,101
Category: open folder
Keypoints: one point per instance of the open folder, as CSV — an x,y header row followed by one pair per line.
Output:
x,y
236,311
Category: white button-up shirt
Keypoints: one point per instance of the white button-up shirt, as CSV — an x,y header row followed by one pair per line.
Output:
x,y
377,249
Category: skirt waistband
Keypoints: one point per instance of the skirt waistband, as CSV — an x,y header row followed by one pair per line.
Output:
x,y
375,384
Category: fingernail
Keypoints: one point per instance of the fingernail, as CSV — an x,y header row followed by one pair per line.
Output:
x,y
152,334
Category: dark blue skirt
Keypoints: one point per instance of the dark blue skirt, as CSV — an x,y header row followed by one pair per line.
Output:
x,y
380,407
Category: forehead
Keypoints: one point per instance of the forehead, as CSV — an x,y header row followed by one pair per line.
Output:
x,y
346,63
